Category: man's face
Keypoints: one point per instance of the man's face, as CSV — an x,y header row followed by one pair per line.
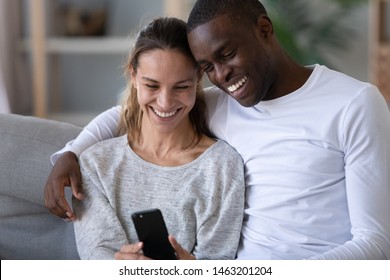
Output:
x,y
235,58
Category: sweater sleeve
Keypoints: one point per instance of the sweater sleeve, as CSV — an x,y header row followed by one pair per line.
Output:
x,y
366,138
219,235
102,127
98,231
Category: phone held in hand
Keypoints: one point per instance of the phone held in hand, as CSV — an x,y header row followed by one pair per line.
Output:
x,y
152,231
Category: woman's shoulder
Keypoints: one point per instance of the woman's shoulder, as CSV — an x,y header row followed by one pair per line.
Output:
x,y
222,151
104,149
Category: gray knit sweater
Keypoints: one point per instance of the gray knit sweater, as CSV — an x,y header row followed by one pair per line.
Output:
x,y
202,202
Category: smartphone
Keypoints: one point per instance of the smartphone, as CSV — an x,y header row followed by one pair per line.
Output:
x,y
152,231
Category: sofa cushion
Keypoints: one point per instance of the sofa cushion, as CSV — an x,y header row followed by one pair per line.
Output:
x,y
27,229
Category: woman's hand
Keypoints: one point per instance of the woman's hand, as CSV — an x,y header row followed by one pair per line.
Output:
x,y
134,251
181,253
131,252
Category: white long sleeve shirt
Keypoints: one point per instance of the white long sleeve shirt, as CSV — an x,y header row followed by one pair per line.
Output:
x,y
317,165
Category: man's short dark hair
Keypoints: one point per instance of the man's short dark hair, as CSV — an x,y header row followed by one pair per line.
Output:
x,y
206,10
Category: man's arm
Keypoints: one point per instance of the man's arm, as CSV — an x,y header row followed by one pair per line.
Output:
x,y
66,170
367,176
102,127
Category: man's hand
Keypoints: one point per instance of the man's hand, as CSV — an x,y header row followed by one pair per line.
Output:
x,y
65,173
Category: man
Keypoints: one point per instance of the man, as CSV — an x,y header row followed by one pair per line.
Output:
x,y
315,142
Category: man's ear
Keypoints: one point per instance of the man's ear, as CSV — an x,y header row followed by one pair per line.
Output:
x,y
264,26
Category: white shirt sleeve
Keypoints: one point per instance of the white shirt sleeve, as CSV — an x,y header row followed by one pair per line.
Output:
x,y
367,174
102,127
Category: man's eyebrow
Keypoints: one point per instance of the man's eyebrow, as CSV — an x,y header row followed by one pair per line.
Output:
x,y
216,54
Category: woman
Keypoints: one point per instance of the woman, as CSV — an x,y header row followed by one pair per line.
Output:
x,y
165,160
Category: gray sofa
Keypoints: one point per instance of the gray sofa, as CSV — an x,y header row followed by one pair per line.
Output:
x,y
27,229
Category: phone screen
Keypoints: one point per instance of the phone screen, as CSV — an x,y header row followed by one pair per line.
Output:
x,y
151,230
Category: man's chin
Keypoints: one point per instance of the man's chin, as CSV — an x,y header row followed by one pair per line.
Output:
x,y
245,102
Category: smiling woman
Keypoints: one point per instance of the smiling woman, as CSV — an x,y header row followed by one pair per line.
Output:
x,y
197,182
166,85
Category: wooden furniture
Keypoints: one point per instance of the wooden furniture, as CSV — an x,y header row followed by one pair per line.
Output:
x,y
380,45
44,49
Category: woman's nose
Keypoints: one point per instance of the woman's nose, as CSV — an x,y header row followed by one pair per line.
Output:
x,y
165,99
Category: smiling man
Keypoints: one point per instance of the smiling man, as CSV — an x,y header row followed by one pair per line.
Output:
x,y
315,142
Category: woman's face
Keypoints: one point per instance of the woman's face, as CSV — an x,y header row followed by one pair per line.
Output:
x,y
166,83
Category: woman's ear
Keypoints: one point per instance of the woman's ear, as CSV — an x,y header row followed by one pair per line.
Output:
x,y
264,25
133,75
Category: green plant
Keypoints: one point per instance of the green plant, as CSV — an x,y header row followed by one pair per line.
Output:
x,y
306,28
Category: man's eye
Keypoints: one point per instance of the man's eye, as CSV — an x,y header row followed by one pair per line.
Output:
x,y
208,68
229,54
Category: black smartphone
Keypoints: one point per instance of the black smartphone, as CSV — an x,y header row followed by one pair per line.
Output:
x,y
152,231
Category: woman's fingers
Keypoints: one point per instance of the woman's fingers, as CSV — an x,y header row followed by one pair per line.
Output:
x,y
181,253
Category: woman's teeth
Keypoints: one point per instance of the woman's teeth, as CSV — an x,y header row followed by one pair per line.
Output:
x,y
163,114
237,85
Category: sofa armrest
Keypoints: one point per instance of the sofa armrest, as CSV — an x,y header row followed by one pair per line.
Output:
x,y
27,229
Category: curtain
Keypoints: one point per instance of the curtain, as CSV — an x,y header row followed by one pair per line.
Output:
x,y
4,104
15,78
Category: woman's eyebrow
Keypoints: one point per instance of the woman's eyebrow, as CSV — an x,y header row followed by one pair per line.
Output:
x,y
154,81
149,79
184,81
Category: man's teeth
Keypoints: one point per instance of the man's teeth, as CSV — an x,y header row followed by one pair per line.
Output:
x,y
237,85
163,114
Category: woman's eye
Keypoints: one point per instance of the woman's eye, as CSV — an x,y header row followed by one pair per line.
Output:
x,y
182,87
151,86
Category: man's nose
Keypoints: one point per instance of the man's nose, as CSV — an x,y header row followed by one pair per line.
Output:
x,y
222,73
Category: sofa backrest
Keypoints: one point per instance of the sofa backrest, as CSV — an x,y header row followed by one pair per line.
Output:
x,y
27,229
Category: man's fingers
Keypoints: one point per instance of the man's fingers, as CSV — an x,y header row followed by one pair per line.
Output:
x,y
65,172
55,200
75,183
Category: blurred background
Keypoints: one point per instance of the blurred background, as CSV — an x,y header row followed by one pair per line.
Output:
x,y
62,59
